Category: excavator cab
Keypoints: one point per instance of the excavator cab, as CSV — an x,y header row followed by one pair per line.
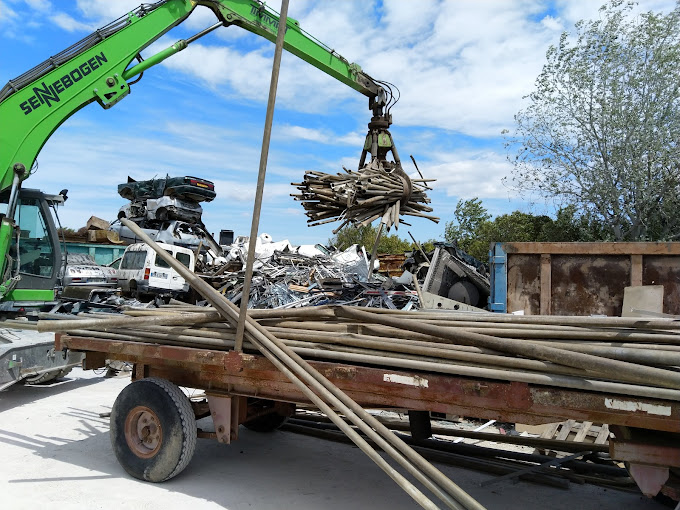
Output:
x,y
34,259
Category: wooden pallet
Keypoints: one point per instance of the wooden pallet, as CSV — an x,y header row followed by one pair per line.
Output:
x,y
575,431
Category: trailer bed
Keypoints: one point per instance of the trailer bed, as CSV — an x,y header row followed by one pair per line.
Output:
x,y
242,374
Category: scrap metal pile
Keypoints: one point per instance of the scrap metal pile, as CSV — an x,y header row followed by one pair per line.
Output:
x,y
286,277
361,197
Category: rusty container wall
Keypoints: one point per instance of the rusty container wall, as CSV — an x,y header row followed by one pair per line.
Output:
x,y
580,278
392,264
524,283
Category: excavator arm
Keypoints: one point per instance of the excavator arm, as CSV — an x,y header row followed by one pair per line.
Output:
x,y
100,68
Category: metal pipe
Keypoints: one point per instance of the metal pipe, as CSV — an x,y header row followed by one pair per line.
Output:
x,y
419,349
556,320
410,489
264,154
620,370
560,381
374,253
116,322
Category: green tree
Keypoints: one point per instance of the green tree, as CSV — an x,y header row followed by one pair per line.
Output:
x,y
480,231
514,227
569,226
470,216
365,236
601,130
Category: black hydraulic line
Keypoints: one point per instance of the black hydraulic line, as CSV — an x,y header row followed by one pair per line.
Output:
x,y
74,50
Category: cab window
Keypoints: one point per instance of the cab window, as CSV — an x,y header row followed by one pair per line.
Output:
x,y
35,250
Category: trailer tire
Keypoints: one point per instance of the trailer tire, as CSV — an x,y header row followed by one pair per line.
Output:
x,y
153,429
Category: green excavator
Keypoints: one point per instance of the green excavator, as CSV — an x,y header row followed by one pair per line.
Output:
x,y
102,68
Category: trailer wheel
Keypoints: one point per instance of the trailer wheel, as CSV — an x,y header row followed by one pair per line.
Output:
x,y
153,429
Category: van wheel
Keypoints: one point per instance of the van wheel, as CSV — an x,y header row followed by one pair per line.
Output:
x,y
153,429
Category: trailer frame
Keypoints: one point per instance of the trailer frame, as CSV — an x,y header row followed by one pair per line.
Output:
x,y
647,430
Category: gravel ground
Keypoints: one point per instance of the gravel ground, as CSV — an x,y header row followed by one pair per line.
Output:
x,y
56,453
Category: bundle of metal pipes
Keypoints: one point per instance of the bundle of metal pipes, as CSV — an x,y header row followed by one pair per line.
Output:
x,y
616,355
362,197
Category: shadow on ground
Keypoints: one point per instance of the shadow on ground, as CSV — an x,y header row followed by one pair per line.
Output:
x,y
288,466
20,394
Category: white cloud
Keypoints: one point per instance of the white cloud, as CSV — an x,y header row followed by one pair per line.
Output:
x,y
201,18
247,76
243,191
39,5
468,174
105,11
454,73
70,24
461,66
324,136
7,13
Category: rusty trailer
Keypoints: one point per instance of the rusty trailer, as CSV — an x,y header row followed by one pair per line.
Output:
x,y
248,389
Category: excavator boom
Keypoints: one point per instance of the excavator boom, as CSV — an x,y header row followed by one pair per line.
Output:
x,y
97,69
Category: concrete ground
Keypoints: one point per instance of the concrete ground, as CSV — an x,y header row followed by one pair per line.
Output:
x,y
55,453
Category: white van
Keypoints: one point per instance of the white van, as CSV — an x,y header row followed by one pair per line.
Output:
x,y
142,272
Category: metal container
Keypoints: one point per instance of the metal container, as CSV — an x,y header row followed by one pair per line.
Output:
x,y
580,278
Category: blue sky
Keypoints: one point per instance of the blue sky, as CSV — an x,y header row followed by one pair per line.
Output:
x,y
462,68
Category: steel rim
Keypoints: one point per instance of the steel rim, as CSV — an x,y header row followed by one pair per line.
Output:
x,y
143,432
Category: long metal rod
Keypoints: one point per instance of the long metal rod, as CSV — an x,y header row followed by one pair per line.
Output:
x,y
257,206
558,320
412,491
129,322
374,253
420,248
